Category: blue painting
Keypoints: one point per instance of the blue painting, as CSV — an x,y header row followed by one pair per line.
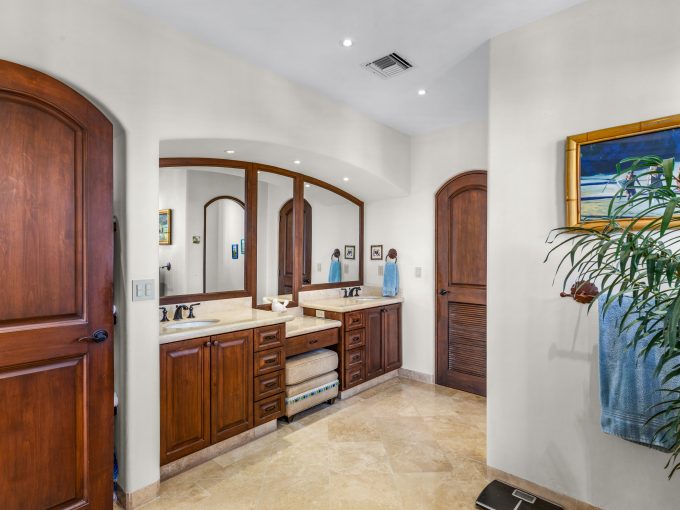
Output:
x,y
599,181
234,251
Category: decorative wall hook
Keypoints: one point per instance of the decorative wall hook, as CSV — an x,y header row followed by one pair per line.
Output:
x,y
582,292
336,254
391,254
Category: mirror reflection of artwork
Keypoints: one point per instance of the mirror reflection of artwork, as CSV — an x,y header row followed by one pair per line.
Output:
x,y
243,246
208,216
335,225
611,163
234,251
165,226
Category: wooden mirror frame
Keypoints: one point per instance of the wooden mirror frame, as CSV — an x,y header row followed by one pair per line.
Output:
x,y
250,280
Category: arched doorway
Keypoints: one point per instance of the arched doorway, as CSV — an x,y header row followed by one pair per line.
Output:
x,y
460,247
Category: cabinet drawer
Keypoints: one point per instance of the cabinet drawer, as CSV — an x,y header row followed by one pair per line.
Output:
x,y
354,339
354,376
354,357
269,337
269,361
269,408
311,341
268,385
354,320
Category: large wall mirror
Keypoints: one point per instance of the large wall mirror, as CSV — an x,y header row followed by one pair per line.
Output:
x,y
235,229
333,237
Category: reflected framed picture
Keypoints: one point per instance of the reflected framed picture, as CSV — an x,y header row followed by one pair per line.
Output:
x,y
243,246
165,226
234,251
615,163
376,252
350,252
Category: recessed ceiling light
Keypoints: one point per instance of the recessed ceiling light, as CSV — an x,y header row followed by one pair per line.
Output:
x,y
347,42
422,92
345,179
230,151
297,161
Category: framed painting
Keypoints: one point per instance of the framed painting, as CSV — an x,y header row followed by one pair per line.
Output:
x,y
165,226
376,252
234,251
592,180
350,251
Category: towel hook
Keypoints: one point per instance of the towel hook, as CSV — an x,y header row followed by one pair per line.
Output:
x,y
336,254
391,254
582,292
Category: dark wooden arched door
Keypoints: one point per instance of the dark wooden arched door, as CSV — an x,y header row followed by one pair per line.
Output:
x,y
56,246
286,242
461,282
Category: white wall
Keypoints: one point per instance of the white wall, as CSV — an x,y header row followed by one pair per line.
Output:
x,y
600,64
158,84
407,224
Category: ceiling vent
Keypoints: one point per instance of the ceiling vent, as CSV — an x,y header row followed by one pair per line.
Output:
x,y
389,65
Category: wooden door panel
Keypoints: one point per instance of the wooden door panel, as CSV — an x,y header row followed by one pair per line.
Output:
x,y
392,336
43,439
375,362
461,283
185,398
286,248
56,189
232,384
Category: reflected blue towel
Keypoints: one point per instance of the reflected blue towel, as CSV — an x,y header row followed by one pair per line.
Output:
x,y
335,272
629,388
390,279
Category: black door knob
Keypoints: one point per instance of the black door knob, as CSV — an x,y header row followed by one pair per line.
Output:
x,y
97,337
443,292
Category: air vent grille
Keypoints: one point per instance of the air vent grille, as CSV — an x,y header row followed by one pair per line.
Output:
x,y
389,65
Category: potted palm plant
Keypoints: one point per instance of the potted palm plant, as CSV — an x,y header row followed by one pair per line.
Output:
x,y
636,254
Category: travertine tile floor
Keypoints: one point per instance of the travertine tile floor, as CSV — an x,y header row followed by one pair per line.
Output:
x,y
401,445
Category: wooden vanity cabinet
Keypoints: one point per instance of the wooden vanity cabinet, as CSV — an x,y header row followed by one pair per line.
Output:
x,y
185,397
371,342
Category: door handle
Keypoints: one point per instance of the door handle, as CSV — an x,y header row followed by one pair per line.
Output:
x,y
443,292
97,337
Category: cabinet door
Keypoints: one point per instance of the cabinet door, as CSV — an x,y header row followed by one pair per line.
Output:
x,y
231,372
392,337
185,398
375,365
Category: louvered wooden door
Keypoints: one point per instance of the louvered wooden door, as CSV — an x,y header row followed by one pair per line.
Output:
x,y
461,283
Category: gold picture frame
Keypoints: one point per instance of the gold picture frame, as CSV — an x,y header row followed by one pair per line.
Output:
x,y
574,186
165,226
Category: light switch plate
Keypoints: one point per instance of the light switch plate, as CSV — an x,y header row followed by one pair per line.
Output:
x,y
381,270
143,290
318,267
419,272
320,314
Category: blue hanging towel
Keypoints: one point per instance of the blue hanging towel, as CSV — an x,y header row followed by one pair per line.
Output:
x,y
629,387
335,272
391,279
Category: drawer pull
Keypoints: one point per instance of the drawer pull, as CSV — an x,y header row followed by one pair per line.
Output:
x,y
355,320
315,341
356,376
270,360
356,338
270,384
270,337
356,357
207,344
270,407
215,343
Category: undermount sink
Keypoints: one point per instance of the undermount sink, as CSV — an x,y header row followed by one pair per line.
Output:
x,y
367,298
191,324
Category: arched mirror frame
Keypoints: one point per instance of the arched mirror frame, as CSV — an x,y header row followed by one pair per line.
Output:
x,y
250,279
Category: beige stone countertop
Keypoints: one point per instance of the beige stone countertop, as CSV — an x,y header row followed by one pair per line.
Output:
x,y
350,304
304,324
237,319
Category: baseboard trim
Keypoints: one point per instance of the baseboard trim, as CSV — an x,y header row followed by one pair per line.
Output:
x,y
194,459
135,499
567,502
350,392
416,376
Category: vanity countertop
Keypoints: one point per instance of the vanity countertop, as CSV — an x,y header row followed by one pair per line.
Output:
x,y
227,321
351,304
303,324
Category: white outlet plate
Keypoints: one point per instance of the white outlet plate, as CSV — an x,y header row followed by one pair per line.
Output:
x,y
419,272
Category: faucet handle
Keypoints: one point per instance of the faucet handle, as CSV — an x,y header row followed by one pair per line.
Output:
x,y
191,310
165,314
344,289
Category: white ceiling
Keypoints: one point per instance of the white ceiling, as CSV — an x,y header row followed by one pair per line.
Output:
x,y
300,39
